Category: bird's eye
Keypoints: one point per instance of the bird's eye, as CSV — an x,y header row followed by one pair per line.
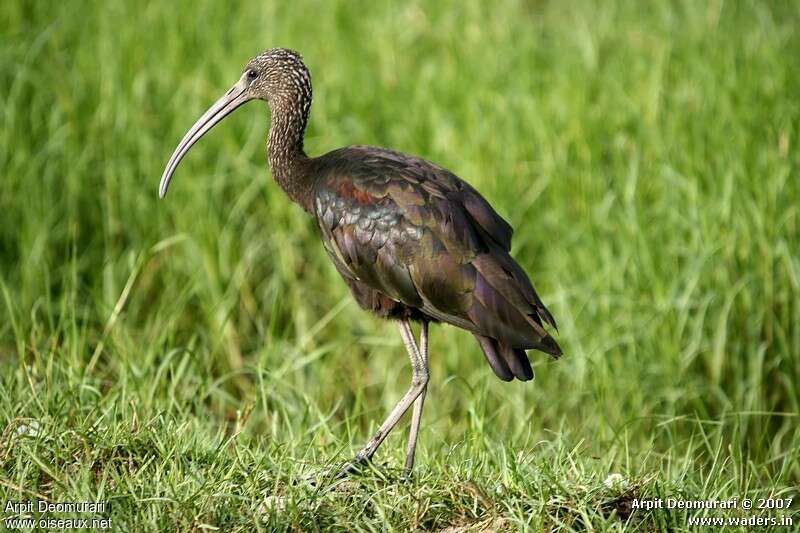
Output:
x,y
252,74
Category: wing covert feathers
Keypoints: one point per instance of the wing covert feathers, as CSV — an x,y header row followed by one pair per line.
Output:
x,y
426,239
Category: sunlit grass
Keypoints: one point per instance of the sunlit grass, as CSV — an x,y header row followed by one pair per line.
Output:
x,y
185,357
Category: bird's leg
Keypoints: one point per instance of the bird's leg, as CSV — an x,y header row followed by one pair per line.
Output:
x,y
419,381
418,403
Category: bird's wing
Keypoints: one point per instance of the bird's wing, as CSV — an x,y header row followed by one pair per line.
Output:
x,y
424,237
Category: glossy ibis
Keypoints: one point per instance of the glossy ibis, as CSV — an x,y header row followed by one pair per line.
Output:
x,y
412,240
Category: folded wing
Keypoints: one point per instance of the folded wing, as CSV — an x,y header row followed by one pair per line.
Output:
x,y
422,236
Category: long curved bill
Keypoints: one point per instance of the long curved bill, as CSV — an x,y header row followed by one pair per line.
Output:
x,y
236,96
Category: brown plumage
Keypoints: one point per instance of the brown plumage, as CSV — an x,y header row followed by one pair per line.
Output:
x,y
412,241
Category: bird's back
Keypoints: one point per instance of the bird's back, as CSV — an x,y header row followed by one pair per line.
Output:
x,y
410,236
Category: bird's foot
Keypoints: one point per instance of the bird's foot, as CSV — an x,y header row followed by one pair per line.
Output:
x,y
352,467
359,465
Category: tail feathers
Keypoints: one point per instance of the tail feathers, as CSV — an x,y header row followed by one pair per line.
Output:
x,y
517,361
493,357
506,362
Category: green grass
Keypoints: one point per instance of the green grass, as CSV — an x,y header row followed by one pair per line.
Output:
x,y
185,358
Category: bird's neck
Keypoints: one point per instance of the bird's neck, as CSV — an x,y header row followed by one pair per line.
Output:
x,y
287,160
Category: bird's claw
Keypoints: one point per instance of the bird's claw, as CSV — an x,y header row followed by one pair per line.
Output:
x,y
334,474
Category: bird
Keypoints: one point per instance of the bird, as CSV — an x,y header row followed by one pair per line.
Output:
x,y
413,242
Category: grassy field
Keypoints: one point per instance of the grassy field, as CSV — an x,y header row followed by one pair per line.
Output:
x,y
180,360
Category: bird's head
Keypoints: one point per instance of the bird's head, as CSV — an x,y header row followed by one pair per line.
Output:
x,y
277,76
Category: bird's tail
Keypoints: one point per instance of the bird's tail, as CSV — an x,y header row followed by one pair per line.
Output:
x,y
507,362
